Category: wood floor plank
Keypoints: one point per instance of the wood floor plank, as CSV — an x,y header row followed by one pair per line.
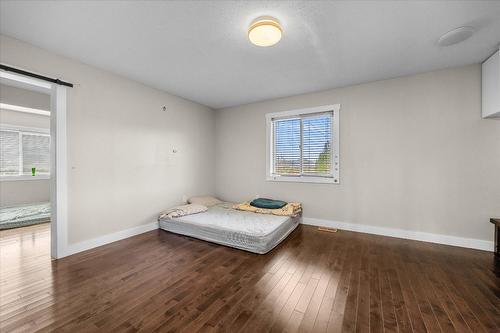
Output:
x,y
336,261
428,316
447,303
375,314
337,314
312,282
475,302
411,301
435,302
399,302
351,306
363,301
465,310
266,316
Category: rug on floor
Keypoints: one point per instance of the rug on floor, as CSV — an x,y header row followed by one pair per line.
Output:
x,y
24,215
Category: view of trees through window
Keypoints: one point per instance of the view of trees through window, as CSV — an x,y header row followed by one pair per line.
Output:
x,y
302,145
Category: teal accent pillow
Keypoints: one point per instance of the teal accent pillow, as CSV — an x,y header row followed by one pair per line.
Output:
x,y
268,203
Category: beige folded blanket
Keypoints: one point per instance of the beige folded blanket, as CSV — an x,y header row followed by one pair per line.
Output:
x,y
182,211
291,209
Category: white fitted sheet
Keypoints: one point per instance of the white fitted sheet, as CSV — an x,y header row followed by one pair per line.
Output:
x,y
258,233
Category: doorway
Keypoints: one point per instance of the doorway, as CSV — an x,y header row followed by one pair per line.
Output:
x,y
33,172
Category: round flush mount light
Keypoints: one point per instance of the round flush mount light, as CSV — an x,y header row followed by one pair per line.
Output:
x,y
265,31
456,36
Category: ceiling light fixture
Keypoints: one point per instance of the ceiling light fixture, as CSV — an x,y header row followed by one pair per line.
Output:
x,y
265,31
455,36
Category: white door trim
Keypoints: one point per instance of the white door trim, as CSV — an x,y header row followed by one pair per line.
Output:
x,y
58,156
59,170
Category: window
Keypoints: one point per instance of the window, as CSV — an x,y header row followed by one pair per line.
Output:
x,y
303,145
22,149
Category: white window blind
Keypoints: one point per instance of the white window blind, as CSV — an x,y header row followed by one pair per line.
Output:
x,y
22,150
286,152
316,143
35,153
304,145
9,153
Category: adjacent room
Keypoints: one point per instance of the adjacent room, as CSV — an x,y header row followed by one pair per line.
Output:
x,y
25,156
249,166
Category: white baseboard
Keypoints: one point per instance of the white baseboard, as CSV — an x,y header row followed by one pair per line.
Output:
x,y
398,233
106,239
471,243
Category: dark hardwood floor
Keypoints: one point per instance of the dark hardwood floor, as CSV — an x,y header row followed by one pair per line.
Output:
x,y
313,282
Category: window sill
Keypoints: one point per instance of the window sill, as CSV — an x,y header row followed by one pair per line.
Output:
x,y
303,179
23,178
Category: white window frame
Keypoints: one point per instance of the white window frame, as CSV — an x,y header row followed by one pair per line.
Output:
x,y
24,130
335,160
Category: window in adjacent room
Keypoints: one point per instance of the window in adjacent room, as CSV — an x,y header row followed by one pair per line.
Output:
x,y
303,145
22,149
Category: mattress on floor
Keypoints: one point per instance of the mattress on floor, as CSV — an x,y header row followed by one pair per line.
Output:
x,y
258,233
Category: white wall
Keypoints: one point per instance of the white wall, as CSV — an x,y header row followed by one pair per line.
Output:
x,y
15,118
20,192
415,155
122,169
23,97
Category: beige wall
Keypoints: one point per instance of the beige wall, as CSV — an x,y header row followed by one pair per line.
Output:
x,y
27,98
415,155
23,97
20,192
15,118
122,171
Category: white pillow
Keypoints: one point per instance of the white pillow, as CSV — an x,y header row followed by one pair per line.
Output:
x,y
183,210
206,200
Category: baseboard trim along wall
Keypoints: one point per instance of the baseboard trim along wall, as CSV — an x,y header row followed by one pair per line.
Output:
x,y
471,243
390,232
106,239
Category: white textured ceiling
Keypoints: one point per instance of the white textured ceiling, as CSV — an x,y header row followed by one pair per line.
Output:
x,y
199,50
